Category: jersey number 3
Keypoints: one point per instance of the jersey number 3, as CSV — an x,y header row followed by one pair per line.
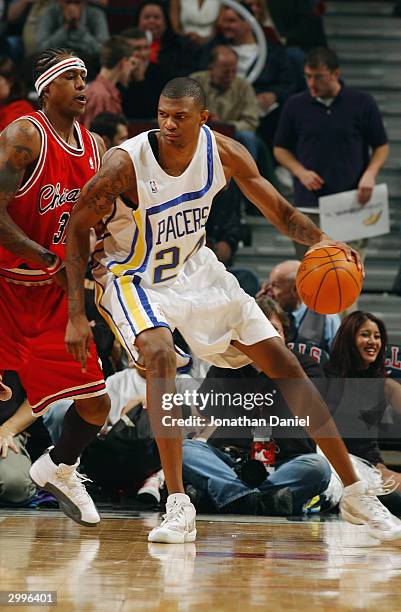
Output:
x,y
59,236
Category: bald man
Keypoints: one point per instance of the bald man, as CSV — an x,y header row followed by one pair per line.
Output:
x,y
306,325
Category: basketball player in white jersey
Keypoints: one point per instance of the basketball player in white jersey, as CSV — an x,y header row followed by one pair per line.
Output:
x,y
154,274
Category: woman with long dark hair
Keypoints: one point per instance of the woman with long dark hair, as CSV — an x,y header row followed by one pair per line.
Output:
x,y
173,52
359,390
12,94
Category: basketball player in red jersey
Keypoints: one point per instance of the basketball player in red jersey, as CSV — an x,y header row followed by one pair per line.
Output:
x,y
45,159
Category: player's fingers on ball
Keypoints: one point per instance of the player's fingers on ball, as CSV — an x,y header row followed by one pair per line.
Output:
x,y
357,258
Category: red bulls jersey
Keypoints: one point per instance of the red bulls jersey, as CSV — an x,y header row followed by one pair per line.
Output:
x,y
43,204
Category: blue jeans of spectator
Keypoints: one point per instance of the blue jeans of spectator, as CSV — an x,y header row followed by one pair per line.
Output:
x,y
53,419
210,470
249,140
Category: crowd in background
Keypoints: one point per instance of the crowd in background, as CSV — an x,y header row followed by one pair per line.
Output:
x,y
131,50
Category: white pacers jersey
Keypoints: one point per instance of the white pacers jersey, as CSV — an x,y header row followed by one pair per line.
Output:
x,y
153,242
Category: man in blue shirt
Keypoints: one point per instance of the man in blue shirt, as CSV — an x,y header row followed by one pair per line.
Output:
x,y
330,137
306,325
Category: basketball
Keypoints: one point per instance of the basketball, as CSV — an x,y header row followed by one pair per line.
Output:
x,y
327,282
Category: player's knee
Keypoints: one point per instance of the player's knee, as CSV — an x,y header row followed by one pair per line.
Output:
x,y
94,409
164,362
160,359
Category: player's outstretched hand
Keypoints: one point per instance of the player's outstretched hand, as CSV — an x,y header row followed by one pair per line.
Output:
x,y
78,338
7,443
350,253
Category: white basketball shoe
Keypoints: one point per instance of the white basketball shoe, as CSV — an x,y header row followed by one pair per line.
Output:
x,y
178,524
360,506
67,485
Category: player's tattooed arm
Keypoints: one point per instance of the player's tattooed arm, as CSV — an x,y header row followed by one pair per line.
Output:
x,y
19,150
115,177
239,165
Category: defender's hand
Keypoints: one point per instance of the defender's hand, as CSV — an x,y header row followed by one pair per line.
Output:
x,y
78,338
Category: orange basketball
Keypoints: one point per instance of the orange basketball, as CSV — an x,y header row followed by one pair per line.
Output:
x,y
327,282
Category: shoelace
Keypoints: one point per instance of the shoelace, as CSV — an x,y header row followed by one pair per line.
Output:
x,y
74,481
373,504
388,486
173,512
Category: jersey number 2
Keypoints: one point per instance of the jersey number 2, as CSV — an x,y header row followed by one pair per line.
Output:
x,y
174,255
174,258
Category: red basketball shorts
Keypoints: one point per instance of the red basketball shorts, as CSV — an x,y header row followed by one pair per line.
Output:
x,y
33,320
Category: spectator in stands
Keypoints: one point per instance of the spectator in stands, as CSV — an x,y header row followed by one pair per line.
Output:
x,y
195,19
74,25
230,98
351,124
31,11
141,97
208,466
260,11
16,487
176,54
357,405
111,127
31,22
305,325
277,79
102,95
12,95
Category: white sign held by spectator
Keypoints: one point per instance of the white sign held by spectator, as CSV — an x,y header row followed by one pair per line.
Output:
x,y
343,218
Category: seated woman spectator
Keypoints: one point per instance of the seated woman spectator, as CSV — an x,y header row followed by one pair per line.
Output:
x,y
195,19
173,52
359,391
12,94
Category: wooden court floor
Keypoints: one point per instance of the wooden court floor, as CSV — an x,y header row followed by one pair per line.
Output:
x,y
236,564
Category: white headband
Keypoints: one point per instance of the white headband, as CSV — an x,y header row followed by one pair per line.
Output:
x,y
71,63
